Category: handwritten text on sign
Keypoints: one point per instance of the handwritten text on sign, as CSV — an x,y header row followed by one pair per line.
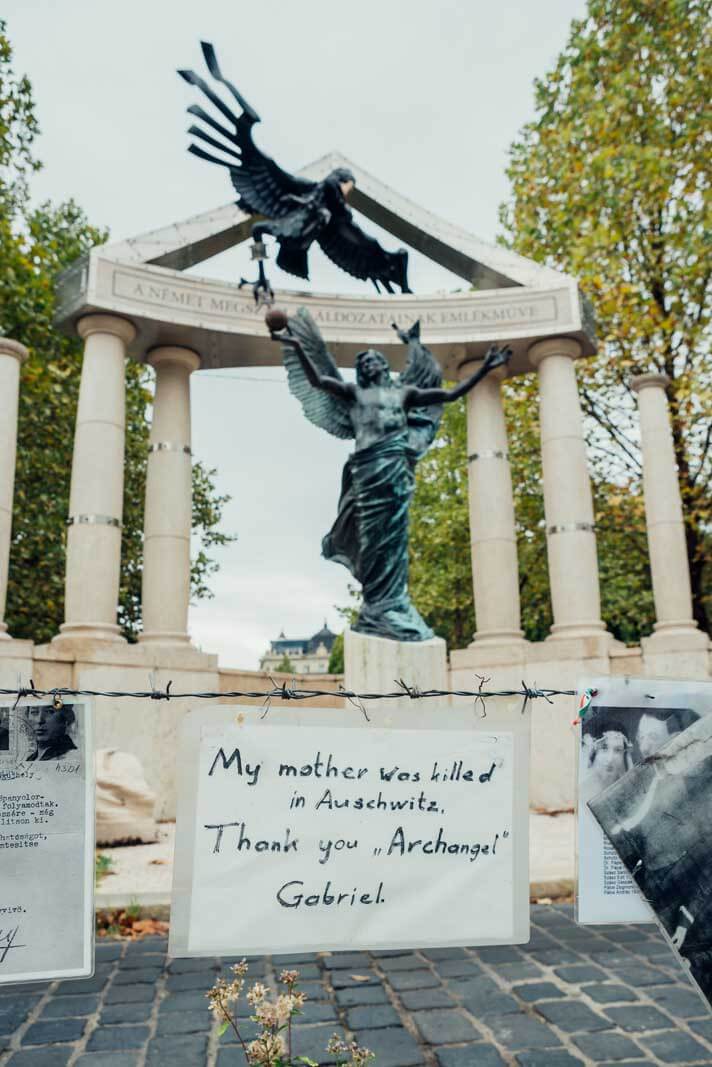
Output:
x,y
335,837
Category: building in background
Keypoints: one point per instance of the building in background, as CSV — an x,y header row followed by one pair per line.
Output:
x,y
302,655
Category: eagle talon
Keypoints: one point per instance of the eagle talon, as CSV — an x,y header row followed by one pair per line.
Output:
x,y
262,291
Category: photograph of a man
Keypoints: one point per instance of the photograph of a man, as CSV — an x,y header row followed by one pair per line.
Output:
x,y
4,730
655,728
49,732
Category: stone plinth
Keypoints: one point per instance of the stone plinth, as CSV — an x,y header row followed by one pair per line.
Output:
x,y
15,662
375,664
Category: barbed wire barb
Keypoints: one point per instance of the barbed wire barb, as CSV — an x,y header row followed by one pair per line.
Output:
x,y
355,700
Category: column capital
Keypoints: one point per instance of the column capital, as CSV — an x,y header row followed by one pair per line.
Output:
x,y
111,324
464,370
554,346
646,381
9,347
176,355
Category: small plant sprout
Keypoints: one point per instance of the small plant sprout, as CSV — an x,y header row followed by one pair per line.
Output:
x,y
274,1013
356,1056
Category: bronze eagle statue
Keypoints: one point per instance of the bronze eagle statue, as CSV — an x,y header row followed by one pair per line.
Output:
x,y
293,210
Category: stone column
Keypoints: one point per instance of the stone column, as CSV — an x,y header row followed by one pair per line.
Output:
x,y
96,497
12,356
663,511
568,506
167,523
495,571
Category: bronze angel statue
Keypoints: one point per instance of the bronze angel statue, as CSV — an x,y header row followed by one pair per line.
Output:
x,y
393,422
295,211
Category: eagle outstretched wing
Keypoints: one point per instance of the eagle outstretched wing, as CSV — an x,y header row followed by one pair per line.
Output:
x,y
346,245
324,409
423,371
263,187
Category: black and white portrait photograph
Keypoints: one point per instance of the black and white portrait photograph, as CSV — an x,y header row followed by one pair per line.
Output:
x,y
607,751
659,820
615,739
51,734
627,722
47,840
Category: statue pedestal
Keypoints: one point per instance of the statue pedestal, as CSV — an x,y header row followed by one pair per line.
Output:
x,y
374,664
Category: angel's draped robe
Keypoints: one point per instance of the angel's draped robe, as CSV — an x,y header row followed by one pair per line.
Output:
x,y
370,536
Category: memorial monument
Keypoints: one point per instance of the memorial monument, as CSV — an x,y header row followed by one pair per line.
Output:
x,y
136,299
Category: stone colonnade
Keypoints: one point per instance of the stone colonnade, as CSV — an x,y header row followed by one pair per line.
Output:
x,y
96,499
568,507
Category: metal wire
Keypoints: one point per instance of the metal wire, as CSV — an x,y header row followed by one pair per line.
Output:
x,y
290,692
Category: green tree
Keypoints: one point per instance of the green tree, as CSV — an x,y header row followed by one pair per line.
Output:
x,y
35,243
440,574
336,656
610,183
285,665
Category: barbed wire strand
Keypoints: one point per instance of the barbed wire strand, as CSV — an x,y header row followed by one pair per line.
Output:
x,y
290,692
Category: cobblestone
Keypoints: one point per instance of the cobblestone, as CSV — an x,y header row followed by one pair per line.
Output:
x,y
573,997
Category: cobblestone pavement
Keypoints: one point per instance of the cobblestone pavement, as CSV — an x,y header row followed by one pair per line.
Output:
x,y
612,996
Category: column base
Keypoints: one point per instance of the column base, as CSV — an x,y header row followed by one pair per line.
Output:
x,y
497,637
86,631
164,637
676,635
565,630
15,648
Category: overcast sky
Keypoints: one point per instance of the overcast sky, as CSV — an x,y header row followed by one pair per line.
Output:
x,y
427,96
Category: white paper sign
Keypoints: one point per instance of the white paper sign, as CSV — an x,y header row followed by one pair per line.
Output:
x,y
312,836
629,720
46,842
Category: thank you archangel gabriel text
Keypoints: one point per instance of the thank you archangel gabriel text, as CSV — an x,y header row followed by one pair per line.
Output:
x,y
336,837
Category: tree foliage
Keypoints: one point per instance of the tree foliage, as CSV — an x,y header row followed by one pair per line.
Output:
x,y
610,183
336,656
35,243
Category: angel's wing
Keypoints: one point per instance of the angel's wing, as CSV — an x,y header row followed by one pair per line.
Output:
x,y
422,370
354,251
325,410
261,183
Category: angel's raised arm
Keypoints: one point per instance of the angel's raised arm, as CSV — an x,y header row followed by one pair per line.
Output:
x,y
335,386
420,398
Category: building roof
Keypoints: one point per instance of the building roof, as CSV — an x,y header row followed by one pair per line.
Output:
x,y
305,645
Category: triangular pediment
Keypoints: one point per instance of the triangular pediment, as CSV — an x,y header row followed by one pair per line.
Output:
x,y
484,266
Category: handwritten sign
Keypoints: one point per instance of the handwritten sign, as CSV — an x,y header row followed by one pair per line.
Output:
x,y
46,842
314,836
